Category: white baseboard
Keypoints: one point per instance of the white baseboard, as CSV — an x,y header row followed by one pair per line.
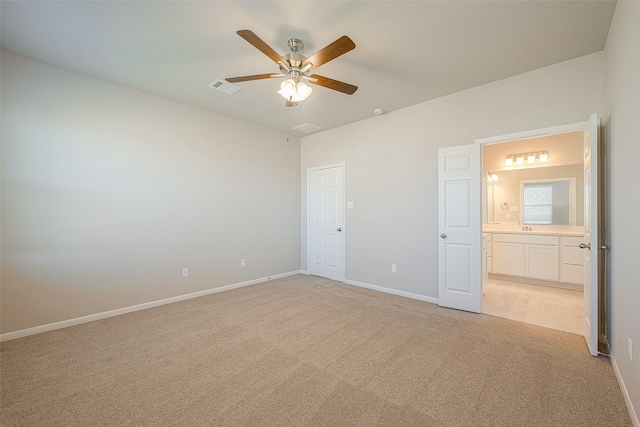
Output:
x,y
305,272
392,291
90,318
625,393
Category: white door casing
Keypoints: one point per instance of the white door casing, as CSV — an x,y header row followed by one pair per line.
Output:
x,y
325,236
459,220
590,129
591,234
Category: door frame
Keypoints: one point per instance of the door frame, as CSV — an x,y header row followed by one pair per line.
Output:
x,y
572,127
344,217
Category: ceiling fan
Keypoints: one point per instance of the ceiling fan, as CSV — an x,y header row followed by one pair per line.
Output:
x,y
296,67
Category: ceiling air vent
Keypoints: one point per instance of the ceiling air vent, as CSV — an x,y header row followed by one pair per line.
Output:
x,y
225,87
308,128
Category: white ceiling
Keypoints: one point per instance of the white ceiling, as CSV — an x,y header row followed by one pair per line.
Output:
x,y
406,52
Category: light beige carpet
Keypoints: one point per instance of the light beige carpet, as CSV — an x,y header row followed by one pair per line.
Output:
x,y
305,351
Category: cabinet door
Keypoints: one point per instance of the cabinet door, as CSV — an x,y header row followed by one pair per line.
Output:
x,y
508,258
541,262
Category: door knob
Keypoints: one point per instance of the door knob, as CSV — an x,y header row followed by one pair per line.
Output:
x,y
443,236
583,246
340,229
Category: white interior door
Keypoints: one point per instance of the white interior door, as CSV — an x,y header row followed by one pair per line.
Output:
x,y
590,245
460,240
326,238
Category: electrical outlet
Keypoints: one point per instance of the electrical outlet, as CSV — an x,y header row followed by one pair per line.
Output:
x,y
630,350
185,272
393,268
242,262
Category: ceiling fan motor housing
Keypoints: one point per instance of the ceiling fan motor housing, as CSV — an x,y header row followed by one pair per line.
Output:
x,y
294,59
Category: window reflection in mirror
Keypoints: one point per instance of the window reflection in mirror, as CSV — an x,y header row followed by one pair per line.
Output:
x,y
548,202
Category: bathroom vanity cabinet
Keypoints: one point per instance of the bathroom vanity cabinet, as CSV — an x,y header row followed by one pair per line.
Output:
x,y
548,257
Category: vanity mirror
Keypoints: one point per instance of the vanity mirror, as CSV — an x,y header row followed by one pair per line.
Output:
x,y
538,196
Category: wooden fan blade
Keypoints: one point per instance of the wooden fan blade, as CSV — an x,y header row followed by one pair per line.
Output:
x,y
259,44
339,47
333,84
254,77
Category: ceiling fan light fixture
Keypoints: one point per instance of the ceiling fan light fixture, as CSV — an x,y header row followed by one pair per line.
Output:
x,y
287,88
294,91
302,92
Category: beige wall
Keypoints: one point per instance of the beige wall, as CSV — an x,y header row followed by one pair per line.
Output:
x,y
507,189
563,149
391,164
622,138
108,192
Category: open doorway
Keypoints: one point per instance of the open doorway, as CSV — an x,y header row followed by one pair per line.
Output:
x,y
533,194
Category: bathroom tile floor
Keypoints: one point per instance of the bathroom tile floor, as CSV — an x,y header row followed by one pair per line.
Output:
x,y
554,308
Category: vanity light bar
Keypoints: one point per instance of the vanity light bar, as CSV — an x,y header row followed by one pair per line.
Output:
x,y
542,157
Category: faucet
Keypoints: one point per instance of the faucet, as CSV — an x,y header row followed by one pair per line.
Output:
x,y
527,228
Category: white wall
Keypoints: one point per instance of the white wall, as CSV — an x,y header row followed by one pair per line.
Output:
x,y
108,192
622,135
391,164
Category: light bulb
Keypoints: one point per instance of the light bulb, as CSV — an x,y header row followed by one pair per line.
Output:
x,y
519,160
302,92
287,89
508,161
543,157
494,177
531,158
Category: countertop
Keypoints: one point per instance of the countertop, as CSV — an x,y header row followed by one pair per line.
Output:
x,y
544,230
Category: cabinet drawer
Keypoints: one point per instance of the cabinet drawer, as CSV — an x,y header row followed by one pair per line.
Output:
x,y
526,238
572,273
572,255
572,241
